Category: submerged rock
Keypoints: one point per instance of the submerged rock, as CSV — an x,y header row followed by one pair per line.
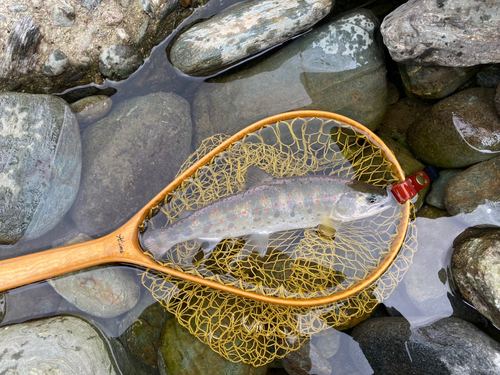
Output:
x,y
91,109
58,345
436,195
40,164
447,33
243,30
401,115
448,346
337,67
306,360
434,82
128,158
475,269
182,353
473,187
459,131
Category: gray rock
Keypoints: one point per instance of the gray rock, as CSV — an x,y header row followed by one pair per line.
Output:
x,y
18,8
40,164
182,353
436,195
473,187
117,62
337,67
448,346
63,15
474,266
447,33
57,63
91,109
327,342
459,131
128,158
434,82
58,345
91,5
243,30
489,76
306,360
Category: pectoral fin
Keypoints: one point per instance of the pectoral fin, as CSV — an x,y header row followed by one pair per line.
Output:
x,y
208,244
329,226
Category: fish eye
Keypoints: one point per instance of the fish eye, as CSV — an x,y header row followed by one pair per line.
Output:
x,y
372,199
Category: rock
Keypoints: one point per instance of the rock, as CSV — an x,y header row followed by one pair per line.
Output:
x,y
117,62
128,158
446,33
431,212
102,291
337,67
473,187
434,82
91,109
436,195
33,30
58,345
392,93
56,64
241,31
306,360
182,353
476,272
459,131
408,163
448,346
489,76
40,164
497,100
327,342
401,115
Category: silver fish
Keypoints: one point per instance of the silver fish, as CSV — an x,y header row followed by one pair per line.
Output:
x,y
271,205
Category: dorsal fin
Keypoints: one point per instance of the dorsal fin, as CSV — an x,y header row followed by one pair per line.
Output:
x,y
255,176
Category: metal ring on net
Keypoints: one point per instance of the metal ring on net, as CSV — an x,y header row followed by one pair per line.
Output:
x,y
254,308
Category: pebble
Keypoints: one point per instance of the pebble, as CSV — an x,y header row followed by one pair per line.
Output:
x,y
241,31
63,15
344,53
128,158
58,345
455,33
473,187
57,63
91,109
118,62
458,131
37,187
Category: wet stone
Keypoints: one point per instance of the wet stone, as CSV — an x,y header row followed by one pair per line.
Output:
x,y
63,15
243,30
39,186
91,109
489,76
57,63
58,345
117,62
128,158
448,346
434,82
455,33
401,115
90,4
473,187
475,268
306,360
182,353
436,195
458,131
324,69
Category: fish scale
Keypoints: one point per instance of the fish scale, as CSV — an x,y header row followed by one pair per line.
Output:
x,y
273,206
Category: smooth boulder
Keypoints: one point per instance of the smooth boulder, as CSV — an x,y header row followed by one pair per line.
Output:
x,y
128,158
40,164
446,33
458,131
243,30
337,67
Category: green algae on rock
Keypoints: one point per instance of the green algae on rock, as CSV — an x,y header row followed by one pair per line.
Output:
x,y
337,67
241,31
458,131
40,164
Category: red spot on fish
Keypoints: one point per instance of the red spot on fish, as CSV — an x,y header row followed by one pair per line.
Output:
x,y
211,224
228,208
256,209
194,219
316,201
300,202
291,203
295,190
221,220
177,233
309,194
334,197
244,212
283,205
263,198
276,204
265,209
213,213
325,195
288,195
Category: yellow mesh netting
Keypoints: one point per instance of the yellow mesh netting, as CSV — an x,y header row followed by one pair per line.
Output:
x,y
299,264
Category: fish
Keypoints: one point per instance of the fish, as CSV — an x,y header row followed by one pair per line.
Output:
x,y
269,205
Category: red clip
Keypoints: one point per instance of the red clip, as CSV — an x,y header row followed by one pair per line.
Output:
x,y
410,188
